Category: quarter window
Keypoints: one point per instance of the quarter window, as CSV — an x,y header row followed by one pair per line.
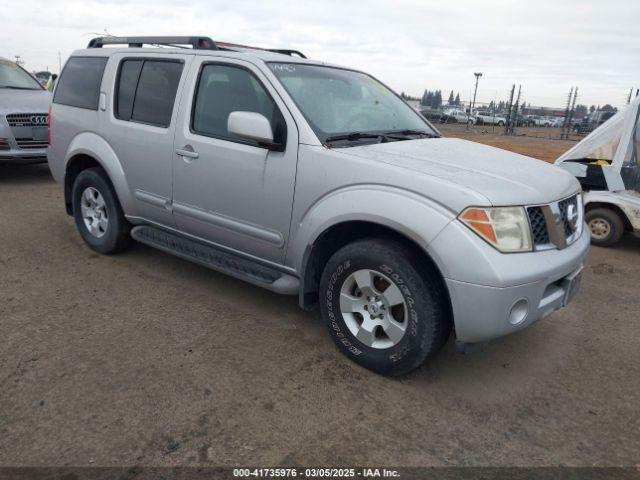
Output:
x,y
146,91
223,89
79,84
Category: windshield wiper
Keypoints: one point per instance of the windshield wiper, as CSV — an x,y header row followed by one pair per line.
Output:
x,y
409,133
354,136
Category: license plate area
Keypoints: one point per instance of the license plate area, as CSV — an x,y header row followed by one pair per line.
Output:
x,y
571,285
39,133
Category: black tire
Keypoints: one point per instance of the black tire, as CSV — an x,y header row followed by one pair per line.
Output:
x,y
501,123
115,237
427,305
613,222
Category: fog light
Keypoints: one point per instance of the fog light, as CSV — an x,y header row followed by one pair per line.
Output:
x,y
4,144
519,311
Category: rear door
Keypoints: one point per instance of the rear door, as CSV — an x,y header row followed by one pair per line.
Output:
x,y
145,96
231,191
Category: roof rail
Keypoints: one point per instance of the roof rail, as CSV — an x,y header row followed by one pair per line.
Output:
x,y
285,51
198,43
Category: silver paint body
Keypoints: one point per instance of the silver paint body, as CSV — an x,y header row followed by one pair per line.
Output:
x,y
271,206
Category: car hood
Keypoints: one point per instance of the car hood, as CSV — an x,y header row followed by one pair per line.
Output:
x,y
503,177
24,101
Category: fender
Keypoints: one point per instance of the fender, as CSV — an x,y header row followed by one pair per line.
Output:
x,y
412,215
94,146
627,202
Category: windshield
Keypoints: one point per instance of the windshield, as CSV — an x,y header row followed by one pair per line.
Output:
x,y
13,76
340,102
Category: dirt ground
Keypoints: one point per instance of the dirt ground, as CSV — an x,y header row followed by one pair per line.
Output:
x,y
146,359
538,142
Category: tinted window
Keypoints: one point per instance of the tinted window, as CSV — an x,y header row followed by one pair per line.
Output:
x,y
223,89
79,84
156,92
127,83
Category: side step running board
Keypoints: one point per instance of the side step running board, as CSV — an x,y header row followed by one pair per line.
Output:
x,y
217,259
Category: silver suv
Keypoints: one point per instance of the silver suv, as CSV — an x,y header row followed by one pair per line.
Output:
x,y
315,180
24,107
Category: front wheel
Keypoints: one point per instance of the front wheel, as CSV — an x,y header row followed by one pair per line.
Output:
x,y
605,225
382,312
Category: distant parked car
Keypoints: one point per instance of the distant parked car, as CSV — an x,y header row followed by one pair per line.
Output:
x,y
540,121
589,123
24,107
490,118
46,79
457,115
430,113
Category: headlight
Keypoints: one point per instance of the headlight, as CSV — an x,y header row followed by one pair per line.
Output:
x,y
506,228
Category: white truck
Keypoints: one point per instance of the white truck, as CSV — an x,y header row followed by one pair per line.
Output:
x,y
489,118
606,165
457,115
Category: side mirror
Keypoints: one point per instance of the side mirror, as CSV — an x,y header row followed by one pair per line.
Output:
x,y
54,77
251,126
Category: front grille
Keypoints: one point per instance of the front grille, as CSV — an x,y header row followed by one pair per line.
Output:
x,y
569,227
557,224
27,119
29,143
538,226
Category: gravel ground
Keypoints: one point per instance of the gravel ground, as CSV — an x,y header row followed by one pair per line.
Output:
x,y
146,359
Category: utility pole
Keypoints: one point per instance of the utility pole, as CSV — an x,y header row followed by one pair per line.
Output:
x,y
565,124
19,60
506,127
514,115
59,63
475,92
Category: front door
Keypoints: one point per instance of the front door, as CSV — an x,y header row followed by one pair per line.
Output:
x,y
228,190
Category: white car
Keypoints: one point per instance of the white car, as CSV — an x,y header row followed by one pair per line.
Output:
x,y
457,115
489,118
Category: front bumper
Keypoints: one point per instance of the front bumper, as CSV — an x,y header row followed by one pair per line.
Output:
x,y
494,294
24,156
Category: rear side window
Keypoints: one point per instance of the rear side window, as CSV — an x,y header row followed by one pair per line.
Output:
x,y
79,84
129,74
146,91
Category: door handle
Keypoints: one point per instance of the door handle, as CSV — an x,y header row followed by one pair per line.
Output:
x,y
187,152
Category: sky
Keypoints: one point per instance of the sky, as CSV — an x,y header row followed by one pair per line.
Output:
x,y
547,46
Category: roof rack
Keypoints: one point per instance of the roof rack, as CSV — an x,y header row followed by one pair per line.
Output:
x,y
285,51
197,43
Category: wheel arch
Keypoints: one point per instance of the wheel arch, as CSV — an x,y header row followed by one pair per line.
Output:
x,y
340,234
88,150
613,207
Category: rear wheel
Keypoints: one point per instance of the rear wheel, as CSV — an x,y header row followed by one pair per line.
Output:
x,y
97,213
381,311
606,226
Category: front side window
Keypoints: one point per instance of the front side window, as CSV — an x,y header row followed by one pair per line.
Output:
x,y
223,89
146,90
79,84
337,101
12,76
